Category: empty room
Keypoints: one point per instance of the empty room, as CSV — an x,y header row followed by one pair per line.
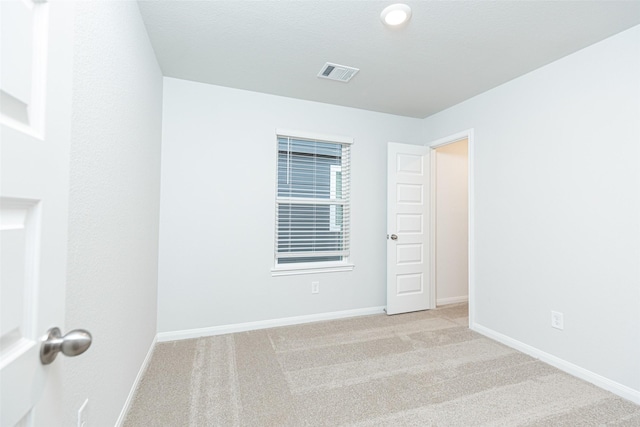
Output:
x,y
319,213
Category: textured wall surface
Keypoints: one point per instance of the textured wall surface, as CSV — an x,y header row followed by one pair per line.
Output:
x,y
557,206
218,206
114,205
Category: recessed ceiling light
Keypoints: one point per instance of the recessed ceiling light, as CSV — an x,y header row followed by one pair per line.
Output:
x,y
396,14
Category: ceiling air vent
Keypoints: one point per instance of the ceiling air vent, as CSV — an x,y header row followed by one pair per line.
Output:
x,y
337,72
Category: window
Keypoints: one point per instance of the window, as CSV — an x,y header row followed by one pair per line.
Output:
x,y
312,203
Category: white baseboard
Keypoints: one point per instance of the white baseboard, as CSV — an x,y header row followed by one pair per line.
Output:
x,y
452,300
575,370
264,324
141,371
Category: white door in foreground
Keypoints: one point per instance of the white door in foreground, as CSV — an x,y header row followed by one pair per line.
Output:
x,y
35,118
407,228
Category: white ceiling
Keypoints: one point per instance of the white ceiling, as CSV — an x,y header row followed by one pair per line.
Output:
x,y
449,52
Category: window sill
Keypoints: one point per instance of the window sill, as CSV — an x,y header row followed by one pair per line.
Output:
x,y
306,269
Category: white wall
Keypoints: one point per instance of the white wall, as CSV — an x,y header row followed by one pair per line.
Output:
x,y
114,206
452,231
218,206
557,206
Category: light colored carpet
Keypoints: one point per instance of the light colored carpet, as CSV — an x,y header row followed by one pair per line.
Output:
x,y
416,369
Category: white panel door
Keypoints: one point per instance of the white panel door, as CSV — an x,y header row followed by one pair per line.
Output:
x,y
407,228
35,118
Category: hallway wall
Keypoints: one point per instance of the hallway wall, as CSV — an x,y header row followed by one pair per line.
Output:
x,y
113,208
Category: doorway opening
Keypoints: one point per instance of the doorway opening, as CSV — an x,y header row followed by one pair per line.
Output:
x,y
452,220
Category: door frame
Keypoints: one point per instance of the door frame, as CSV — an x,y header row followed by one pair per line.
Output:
x,y
468,135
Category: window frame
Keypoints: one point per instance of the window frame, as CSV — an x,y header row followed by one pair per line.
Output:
x,y
321,266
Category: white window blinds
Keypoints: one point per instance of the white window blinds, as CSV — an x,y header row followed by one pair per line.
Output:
x,y
312,201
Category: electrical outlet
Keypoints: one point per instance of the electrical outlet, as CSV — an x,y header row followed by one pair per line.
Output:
x,y
557,320
315,287
83,414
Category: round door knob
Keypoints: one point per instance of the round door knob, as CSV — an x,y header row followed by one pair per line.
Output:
x,y
394,237
72,344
